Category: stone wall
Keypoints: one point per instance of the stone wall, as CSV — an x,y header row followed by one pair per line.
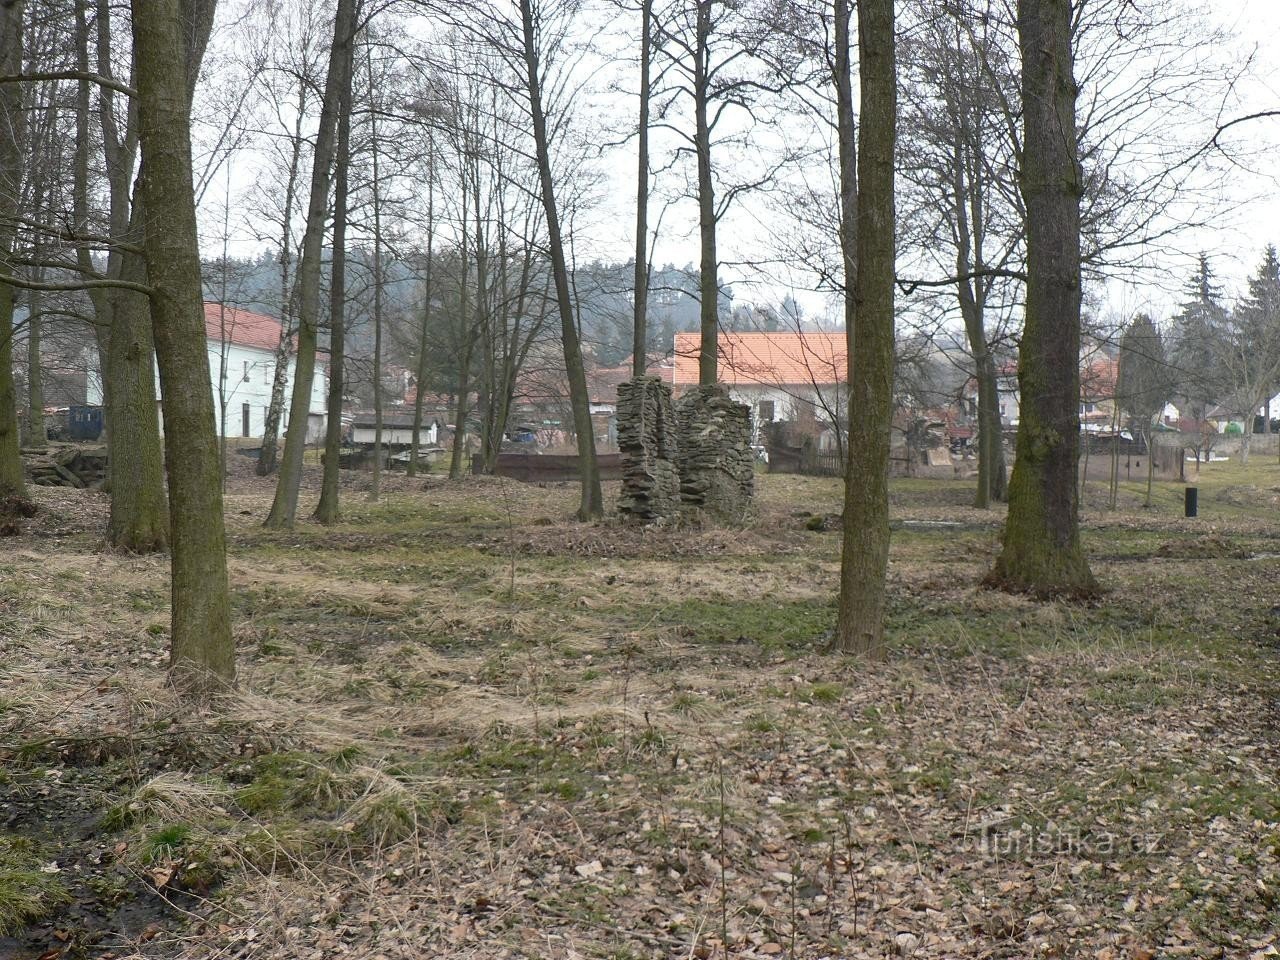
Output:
x,y
647,443
714,456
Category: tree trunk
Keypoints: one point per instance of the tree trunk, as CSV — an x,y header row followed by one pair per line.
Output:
x,y
37,438
284,507
328,510
139,516
1087,443
12,482
708,279
1151,465
864,555
202,651
375,487
640,307
591,503
427,293
1113,492
1042,554
466,341
268,455
139,521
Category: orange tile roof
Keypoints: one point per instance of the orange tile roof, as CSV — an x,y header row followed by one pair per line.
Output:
x,y
242,327
771,359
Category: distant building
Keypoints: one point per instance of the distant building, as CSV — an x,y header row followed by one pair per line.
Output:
x,y
241,346
796,376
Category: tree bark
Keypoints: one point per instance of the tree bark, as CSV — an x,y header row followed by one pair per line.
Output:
x,y
375,486
864,555
12,126
591,504
139,515
36,437
1042,554
284,507
639,334
328,510
708,268
202,651
139,521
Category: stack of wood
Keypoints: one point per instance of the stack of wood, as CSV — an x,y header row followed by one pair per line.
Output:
x,y
67,466
717,465
647,444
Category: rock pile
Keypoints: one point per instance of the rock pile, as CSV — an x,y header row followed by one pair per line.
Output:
x,y
647,442
70,466
714,456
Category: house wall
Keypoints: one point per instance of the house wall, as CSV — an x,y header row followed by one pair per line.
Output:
x,y
396,436
1007,395
249,371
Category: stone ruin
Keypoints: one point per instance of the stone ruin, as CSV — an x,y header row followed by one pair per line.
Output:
x,y
695,453
647,442
714,456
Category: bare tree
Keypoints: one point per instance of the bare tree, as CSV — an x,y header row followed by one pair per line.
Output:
x,y
285,505
328,510
592,501
1248,345
202,652
1041,553
640,304
867,221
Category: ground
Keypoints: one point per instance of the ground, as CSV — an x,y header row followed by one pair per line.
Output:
x,y
467,726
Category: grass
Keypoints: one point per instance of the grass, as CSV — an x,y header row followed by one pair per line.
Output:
x,y
30,885
444,717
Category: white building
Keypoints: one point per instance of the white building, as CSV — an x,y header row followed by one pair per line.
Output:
x,y
241,346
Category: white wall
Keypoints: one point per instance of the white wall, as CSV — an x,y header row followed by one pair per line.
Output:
x,y
249,374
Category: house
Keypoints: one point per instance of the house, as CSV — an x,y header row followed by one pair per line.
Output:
x,y
792,376
1006,394
1099,374
1099,377
241,346
397,429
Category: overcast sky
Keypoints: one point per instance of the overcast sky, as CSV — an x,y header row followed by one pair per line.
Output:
x,y
1235,246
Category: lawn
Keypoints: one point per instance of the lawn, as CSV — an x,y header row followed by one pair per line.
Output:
x,y
466,726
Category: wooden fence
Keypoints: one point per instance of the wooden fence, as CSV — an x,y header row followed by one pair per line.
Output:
x,y
805,460
548,467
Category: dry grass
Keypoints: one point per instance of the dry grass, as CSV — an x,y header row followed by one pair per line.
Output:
x,y
458,735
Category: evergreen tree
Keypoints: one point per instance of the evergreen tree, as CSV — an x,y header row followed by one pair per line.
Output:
x,y
1194,351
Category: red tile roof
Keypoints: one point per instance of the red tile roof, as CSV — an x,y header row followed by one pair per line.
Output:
x,y
241,327
1098,378
773,359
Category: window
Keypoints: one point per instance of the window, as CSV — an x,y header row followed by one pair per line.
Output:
x,y
765,411
246,374
244,420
